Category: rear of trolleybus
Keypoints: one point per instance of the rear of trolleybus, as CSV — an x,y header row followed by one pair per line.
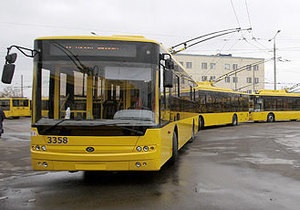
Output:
x,y
15,107
102,105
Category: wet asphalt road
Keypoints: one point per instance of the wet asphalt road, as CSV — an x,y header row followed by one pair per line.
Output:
x,y
251,166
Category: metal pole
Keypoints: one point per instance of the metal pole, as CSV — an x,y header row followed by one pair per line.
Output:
x,y
235,84
275,79
274,50
22,95
253,91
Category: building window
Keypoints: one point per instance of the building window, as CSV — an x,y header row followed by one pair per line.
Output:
x,y
204,78
248,67
256,80
204,65
189,65
227,79
234,66
212,78
212,66
255,68
249,80
235,79
227,66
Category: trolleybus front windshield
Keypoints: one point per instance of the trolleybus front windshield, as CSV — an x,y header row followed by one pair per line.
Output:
x,y
102,83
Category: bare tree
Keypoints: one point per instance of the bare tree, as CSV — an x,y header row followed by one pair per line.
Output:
x,y
8,92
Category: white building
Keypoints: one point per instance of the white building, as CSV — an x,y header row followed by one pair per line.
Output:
x,y
249,76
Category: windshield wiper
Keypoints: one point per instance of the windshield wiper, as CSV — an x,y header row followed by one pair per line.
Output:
x,y
133,130
53,126
74,58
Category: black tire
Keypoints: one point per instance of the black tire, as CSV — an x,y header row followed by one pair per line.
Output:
x,y
200,123
235,120
174,149
193,133
270,117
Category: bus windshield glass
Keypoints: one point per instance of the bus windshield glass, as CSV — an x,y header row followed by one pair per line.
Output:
x,y
96,82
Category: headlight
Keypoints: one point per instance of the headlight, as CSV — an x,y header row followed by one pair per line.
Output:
x,y
44,148
146,148
138,148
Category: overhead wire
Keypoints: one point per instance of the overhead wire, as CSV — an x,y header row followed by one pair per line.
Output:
x,y
236,17
216,59
249,19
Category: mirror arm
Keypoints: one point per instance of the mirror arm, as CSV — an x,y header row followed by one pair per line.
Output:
x,y
31,53
165,56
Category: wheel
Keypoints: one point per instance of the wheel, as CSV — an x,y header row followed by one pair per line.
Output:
x,y
193,133
270,117
174,149
235,121
200,123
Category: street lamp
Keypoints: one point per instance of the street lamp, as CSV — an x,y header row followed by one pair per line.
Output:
x,y
274,50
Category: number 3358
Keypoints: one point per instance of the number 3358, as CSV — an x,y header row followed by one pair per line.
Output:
x,y
57,140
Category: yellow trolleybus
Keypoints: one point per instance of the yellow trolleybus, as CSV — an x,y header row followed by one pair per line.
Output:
x,y
220,106
113,103
274,105
15,107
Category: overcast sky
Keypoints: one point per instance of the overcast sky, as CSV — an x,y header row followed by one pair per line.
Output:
x,y
167,21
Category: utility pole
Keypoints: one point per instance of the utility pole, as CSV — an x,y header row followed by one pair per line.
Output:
x,y
22,86
274,51
253,69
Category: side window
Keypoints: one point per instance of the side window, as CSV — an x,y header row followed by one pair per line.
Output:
x,y
16,103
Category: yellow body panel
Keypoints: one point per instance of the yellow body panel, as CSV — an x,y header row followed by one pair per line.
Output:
x,y
212,119
116,153
279,115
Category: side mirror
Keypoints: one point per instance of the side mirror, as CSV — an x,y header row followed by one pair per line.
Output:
x,y
168,78
9,68
11,58
169,64
8,72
